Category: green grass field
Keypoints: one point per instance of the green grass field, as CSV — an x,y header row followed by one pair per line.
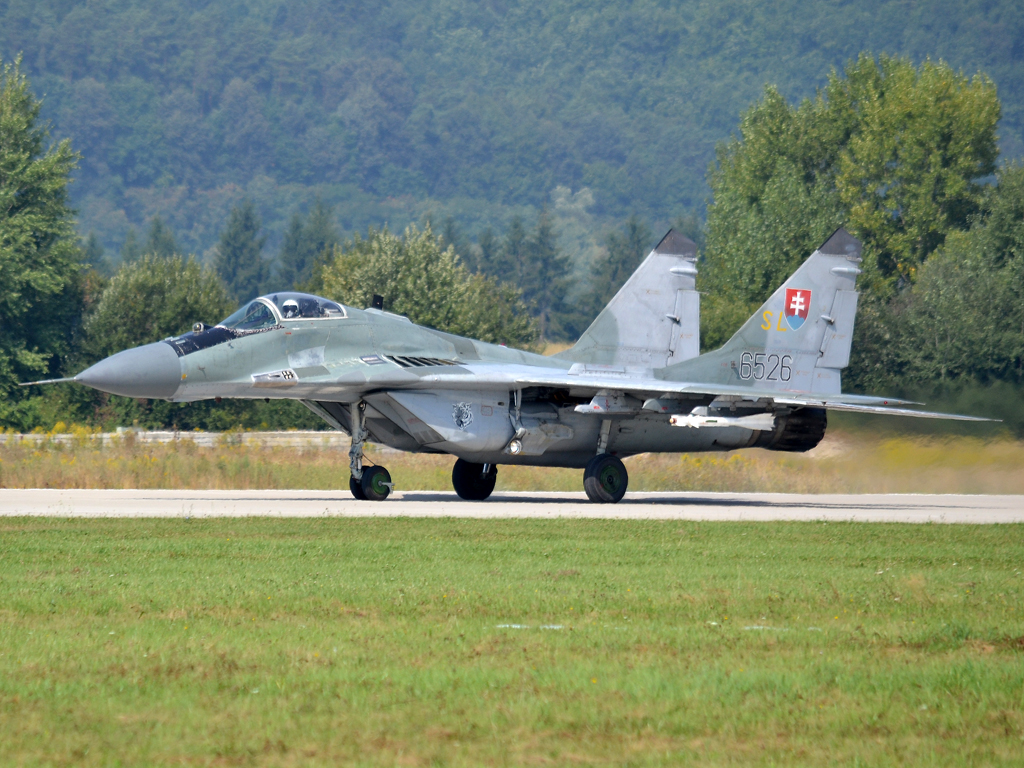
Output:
x,y
460,642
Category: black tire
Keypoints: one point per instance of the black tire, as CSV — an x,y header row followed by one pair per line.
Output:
x,y
357,488
605,479
471,482
376,483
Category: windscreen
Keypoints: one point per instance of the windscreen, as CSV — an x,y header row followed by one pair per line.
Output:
x,y
254,316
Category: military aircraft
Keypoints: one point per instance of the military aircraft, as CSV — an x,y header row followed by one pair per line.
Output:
x,y
633,383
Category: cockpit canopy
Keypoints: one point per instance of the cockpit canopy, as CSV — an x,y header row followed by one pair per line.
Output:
x,y
267,311
259,315
293,305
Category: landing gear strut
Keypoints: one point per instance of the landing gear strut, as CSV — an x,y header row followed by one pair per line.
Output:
x,y
373,483
473,482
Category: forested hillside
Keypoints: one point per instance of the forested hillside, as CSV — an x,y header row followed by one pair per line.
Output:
x,y
390,111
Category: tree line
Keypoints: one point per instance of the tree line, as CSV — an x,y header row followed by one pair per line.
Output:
x,y
905,156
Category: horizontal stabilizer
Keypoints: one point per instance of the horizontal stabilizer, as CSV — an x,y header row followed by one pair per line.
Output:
x,y
884,411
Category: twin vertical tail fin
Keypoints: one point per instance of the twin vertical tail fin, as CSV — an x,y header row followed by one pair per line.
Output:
x,y
799,340
654,319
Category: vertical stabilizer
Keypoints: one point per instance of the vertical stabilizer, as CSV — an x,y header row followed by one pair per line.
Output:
x,y
654,319
799,340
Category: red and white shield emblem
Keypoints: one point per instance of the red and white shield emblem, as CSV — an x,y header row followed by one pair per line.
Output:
x,y
798,305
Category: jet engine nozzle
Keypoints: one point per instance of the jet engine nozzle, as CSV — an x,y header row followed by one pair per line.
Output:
x,y
151,371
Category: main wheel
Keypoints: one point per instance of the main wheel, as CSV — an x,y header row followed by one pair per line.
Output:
x,y
376,483
471,482
357,488
605,479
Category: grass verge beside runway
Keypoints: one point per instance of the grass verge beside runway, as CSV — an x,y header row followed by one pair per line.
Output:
x,y
464,642
845,462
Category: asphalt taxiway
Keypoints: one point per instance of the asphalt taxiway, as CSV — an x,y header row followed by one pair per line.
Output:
x,y
888,508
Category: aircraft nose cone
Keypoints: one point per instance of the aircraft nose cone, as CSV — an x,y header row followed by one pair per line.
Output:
x,y
150,371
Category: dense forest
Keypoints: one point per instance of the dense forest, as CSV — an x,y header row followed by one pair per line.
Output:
x,y
390,112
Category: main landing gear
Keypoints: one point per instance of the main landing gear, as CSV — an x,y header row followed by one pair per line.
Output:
x,y
605,478
371,483
474,482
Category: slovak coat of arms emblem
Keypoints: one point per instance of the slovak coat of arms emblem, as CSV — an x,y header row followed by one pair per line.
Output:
x,y
462,415
798,304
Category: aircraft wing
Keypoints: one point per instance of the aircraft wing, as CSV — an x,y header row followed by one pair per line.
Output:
x,y
486,376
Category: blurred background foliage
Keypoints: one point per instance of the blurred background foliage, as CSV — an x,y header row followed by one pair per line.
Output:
x,y
531,155
390,111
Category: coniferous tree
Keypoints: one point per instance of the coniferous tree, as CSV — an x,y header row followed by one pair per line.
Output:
x,y
160,240
131,250
239,260
626,250
623,252
509,262
452,234
545,272
94,255
321,235
305,242
487,247
291,255
39,255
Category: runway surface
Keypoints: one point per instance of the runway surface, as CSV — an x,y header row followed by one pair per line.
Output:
x,y
893,508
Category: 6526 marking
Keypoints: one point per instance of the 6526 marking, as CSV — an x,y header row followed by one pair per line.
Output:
x,y
761,366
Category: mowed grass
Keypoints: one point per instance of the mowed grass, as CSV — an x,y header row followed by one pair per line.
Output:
x,y
845,462
467,642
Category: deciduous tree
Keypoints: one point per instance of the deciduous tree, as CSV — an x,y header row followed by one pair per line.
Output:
x,y
895,152
427,283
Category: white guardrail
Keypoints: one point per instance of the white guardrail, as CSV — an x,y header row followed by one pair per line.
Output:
x,y
293,438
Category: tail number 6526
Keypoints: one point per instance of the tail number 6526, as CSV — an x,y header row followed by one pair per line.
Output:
x,y
761,366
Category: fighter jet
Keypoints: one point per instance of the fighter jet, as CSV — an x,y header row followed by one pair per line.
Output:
x,y
633,383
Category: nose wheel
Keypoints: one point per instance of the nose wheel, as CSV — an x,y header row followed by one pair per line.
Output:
x,y
376,483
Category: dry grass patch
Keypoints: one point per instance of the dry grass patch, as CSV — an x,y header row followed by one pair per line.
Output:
x,y
845,462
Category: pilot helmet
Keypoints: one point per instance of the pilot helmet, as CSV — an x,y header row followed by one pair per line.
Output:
x,y
291,308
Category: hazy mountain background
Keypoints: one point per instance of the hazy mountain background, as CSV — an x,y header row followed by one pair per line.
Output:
x,y
395,111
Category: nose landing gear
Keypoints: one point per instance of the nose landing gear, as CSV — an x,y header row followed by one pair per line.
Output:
x,y
372,483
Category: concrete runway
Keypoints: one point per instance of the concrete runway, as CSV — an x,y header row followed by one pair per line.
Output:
x,y
894,508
